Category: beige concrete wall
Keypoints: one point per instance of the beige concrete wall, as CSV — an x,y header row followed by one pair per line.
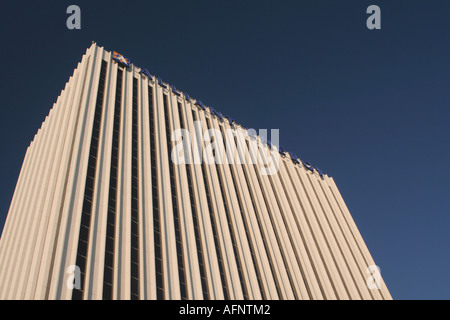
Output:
x,y
305,243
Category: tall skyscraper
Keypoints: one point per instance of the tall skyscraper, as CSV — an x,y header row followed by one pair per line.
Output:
x,y
131,189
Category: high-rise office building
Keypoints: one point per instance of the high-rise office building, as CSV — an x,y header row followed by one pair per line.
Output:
x,y
131,189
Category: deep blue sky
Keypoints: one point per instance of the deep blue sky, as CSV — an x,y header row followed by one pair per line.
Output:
x,y
368,107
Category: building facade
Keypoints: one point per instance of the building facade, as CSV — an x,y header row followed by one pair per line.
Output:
x,y
118,198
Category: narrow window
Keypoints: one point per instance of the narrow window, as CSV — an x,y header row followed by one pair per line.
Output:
x,y
252,198
83,239
214,227
230,227
277,237
111,216
155,201
246,228
176,212
134,198
195,218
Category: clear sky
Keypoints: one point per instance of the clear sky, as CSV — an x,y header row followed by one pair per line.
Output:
x,y
368,107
